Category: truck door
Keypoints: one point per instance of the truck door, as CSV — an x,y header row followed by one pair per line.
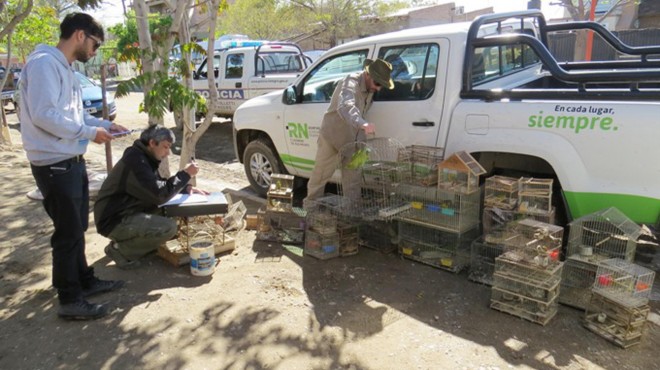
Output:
x,y
231,82
412,111
302,121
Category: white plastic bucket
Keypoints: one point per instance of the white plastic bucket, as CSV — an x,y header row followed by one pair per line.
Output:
x,y
202,258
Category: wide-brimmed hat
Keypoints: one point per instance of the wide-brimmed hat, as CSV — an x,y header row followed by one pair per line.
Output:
x,y
380,71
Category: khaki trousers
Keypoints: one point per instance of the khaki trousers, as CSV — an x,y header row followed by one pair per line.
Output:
x,y
324,166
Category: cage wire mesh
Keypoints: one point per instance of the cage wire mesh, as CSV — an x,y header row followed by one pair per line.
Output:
x,y
577,280
624,282
424,161
606,233
482,261
370,174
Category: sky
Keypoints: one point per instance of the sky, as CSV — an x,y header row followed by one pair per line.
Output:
x,y
112,12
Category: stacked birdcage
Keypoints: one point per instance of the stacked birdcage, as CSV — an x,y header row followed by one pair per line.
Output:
x,y
448,210
378,235
482,261
535,195
502,201
592,239
494,218
624,282
528,272
576,283
281,227
436,247
348,234
619,303
370,174
280,221
620,324
321,237
279,197
526,290
606,233
424,161
501,192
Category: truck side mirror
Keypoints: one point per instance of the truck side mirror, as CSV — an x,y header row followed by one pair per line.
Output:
x,y
216,72
290,96
195,76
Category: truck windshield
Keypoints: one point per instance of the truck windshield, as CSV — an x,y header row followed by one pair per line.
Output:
x,y
280,62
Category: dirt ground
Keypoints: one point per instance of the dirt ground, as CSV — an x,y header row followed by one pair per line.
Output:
x,y
266,306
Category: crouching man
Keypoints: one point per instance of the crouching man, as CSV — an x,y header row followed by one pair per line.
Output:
x,y
127,210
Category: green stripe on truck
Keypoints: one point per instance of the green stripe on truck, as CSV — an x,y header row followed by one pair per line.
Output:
x,y
639,209
297,162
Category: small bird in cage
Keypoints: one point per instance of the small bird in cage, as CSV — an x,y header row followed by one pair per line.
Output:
x,y
358,159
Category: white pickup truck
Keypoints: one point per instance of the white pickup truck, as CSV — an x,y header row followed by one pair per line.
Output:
x,y
491,88
246,69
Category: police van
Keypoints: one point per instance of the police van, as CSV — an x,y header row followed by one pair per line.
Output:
x,y
245,69
495,91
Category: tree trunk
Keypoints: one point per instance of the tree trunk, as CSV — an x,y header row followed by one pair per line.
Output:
x,y
5,136
191,135
580,45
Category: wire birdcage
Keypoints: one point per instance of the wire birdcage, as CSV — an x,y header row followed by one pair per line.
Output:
x,y
435,247
320,245
607,233
423,163
439,208
494,218
530,242
624,282
525,291
482,261
378,235
577,281
370,174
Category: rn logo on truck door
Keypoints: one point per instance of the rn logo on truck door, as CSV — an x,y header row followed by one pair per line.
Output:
x,y
298,130
228,94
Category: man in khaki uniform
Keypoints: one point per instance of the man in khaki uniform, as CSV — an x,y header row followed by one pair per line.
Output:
x,y
344,121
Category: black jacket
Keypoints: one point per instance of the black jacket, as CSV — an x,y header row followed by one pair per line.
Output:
x,y
134,186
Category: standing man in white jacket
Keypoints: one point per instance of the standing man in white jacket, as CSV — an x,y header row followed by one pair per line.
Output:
x,y
56,130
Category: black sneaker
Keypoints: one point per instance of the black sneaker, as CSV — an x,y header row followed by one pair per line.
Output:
x,y
99,286
82,310
122,262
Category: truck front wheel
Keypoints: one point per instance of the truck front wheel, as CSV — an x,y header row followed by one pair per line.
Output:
x,y
260,163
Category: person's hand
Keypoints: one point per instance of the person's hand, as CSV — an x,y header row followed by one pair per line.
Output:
x,y
191,169
116,129
102,136
369,128
194,190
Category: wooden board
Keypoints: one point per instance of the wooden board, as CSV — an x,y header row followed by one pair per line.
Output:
x,y
174,253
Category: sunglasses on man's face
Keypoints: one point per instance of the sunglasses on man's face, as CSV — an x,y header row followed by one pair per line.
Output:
x,y
97,42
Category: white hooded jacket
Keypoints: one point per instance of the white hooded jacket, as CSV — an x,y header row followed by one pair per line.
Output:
x,y
54,124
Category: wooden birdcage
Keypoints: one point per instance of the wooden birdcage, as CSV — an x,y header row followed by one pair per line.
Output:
x,y
535,195
501,192
459,173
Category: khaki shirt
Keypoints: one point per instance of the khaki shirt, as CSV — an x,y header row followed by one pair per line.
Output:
x,y
350,102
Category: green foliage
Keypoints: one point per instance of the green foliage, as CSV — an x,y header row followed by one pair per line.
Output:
x,y
166,93
128,43
261,19
40,27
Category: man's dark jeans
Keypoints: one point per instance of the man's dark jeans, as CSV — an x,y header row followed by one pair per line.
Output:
x,y
64,186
